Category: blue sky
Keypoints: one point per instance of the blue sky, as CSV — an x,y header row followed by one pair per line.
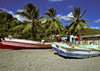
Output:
x,y
63,7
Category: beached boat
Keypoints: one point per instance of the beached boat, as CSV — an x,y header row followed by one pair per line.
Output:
x,y
75,51
24,43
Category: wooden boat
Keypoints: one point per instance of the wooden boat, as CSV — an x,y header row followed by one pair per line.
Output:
x,y
75,51
24,43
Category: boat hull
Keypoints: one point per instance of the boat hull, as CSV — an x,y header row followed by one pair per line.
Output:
x,y
75,52
25,44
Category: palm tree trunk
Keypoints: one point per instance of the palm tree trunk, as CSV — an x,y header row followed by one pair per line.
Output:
x,y
33,32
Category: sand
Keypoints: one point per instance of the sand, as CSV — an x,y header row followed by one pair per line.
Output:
x,y
44,60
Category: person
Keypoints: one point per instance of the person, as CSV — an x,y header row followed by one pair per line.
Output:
x,y
59,39
90,43
68,39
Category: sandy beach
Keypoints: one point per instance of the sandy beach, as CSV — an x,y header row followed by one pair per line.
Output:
x,y
44,60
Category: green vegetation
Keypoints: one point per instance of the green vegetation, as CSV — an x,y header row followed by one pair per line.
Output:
x,y
55,25
77,22
89,31
38,28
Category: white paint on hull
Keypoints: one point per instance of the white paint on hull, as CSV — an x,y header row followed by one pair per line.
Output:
x,y
25,43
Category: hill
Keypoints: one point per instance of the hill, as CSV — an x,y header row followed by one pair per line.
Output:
x,y
90,31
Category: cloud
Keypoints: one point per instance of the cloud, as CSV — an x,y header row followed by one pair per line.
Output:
x,y
55,0
65,17
20,18
95,27
10,12
62,17
3,9
20,10
97,21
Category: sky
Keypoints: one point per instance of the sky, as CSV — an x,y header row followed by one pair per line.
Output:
x,y
63,7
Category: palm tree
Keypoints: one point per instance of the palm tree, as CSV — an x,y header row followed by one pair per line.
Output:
x,y
31,12
65,29
5,23
77,22
54,25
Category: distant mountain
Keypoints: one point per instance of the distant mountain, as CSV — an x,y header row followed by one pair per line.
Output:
x,y
90,31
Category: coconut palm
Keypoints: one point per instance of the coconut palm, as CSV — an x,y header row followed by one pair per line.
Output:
x,y
54,24
31,12
65,29
77,22
5,23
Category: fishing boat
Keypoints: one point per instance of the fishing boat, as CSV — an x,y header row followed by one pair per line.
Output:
x,y
75,51
24,43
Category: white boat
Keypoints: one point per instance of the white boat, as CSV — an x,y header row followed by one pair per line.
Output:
x,y
24,43
75,51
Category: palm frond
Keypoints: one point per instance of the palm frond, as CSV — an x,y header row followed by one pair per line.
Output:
x,y
29,7
84,24
83,13
72,26
79,9
46,13
24,14
58,19
51,13
17,27
71,20
27,28
46,19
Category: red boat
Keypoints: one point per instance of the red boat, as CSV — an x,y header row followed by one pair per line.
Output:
x,y
22,43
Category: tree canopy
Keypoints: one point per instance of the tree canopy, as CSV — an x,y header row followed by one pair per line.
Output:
x,y
43,27
77,23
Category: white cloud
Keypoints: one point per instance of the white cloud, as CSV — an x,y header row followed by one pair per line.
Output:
x,y
20,10
70,15
62,17
55,0
66,17
3,9
10,12
95,27
97,21
20,18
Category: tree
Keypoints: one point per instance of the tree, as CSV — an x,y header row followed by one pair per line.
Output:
x,y
77,22
31,12
54,25
65,30
5,23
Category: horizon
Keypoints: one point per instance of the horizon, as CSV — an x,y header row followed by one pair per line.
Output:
x,y
63,7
